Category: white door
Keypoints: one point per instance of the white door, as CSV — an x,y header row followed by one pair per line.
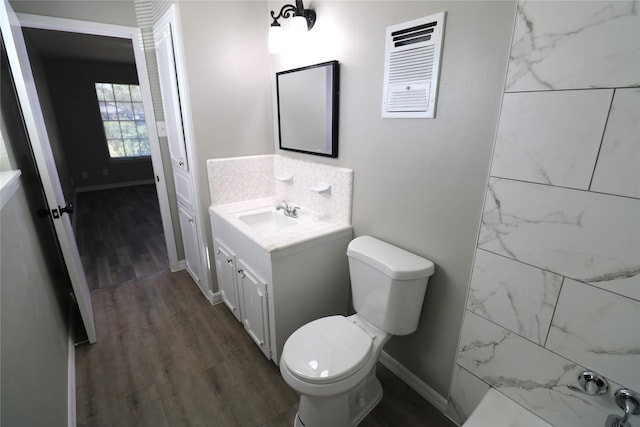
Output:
x,y
170,94
255,314
35,124
226,271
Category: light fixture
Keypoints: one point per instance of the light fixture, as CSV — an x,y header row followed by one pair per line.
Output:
x,y
303,20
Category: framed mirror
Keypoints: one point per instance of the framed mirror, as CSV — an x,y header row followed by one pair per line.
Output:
x,y
308,109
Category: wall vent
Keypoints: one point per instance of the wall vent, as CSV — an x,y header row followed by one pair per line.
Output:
x,y
411,68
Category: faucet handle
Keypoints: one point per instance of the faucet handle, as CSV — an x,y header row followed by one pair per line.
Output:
x,y
284,206
629,402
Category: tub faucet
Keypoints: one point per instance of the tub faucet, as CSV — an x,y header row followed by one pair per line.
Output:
x,y
290,211
629,402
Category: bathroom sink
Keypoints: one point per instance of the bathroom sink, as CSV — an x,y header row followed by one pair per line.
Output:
x,y
266,221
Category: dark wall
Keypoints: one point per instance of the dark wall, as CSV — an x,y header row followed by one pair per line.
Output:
x,y
72,87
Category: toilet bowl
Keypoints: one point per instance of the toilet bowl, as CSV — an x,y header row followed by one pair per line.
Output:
x,y
497,410
331,361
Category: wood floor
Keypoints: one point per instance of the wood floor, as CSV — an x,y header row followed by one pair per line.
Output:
x,y
166,357
119,235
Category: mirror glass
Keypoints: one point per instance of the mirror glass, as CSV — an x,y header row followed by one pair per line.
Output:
x,y
308,109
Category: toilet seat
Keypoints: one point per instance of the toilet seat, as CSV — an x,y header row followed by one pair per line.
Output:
x,y
327,350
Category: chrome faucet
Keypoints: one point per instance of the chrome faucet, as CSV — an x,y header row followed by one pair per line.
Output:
x,y
290,211
629,402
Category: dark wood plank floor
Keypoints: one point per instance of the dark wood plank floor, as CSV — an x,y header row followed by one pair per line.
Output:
x,y
166,357
119,235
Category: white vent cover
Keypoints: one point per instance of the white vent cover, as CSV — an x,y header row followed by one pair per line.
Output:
x,y
411,68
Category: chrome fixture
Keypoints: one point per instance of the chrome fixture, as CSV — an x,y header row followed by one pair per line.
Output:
x,y
629,402
290,211
303,20
591,383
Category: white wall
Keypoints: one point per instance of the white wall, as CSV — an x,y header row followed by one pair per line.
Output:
x,y
556,280
418,183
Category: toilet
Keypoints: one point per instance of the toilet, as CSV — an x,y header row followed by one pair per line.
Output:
x,y
331,361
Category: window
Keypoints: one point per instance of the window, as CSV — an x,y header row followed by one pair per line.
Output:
x,y
123,119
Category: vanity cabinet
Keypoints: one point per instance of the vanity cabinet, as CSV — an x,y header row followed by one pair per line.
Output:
x,y
275,290
226,271
255,311
244,292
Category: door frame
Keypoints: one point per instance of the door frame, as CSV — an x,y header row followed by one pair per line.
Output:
x,y
135,35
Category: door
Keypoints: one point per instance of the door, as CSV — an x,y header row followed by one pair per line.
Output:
x,y
226,271
35,125
170,95
255,314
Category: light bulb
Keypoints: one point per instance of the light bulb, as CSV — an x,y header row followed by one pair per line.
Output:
x,y
298,27
276,39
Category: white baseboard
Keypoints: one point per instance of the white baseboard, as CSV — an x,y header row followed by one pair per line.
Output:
x,y
181,265
215,298
429,394
114,185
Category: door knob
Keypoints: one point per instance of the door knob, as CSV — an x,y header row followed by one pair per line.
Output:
x,y
67,209
43,213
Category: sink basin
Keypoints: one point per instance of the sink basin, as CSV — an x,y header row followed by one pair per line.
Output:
x,y
267,221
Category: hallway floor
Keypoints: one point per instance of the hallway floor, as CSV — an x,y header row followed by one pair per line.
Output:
x,y
119,234
166,357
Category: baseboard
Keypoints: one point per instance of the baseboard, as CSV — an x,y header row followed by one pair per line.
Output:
x,y
429,394
71,374
114,185
181,265
215,298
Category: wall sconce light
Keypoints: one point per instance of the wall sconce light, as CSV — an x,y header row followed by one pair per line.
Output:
x,y
303,20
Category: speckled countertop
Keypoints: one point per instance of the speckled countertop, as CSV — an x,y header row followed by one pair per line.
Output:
x,y
310,225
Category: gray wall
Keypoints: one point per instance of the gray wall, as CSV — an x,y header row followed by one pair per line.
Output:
x,y
71,85
121,12
34,335
229,85
418,183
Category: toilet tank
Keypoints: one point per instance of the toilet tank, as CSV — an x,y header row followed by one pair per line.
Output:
x,y
388,284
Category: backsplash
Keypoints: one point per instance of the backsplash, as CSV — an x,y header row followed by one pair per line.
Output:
x,y
237,179
298,182
555,287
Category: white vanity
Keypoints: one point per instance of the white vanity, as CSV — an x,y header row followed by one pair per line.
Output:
x,y
277,273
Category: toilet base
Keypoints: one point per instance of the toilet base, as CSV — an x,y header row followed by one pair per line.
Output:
x,y
344,410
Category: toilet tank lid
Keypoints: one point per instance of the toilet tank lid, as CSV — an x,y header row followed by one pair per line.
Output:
x,y
396,263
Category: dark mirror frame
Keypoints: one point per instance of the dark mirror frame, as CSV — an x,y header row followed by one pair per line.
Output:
x,y
332,100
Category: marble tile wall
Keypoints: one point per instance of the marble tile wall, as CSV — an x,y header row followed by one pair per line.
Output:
x,y
237,179
555,287
273,176
334,204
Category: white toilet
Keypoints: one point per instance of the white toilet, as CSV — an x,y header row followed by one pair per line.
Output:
x,y
331,361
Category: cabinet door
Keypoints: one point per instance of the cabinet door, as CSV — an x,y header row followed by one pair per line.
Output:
x,y
169,92
255,314
191,242
226,273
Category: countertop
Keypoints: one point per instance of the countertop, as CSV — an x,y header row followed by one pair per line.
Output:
x,y
310,225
